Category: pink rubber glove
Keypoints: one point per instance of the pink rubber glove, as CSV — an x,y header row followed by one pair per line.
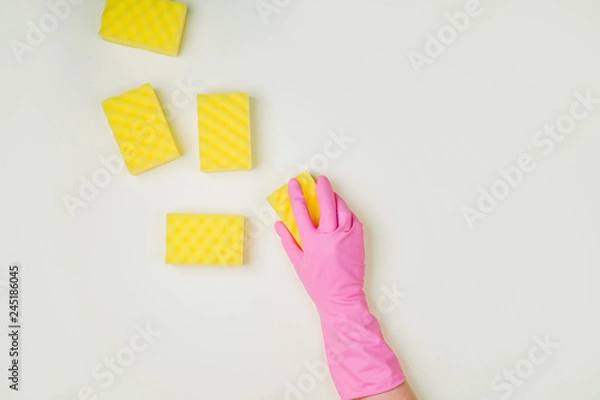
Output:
x,y
332,269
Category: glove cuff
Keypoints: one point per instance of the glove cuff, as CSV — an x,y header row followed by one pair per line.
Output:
x,y
360,361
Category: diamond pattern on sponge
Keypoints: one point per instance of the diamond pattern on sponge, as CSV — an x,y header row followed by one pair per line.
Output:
x,y
141,129
280,201
196,239
224,132
154,25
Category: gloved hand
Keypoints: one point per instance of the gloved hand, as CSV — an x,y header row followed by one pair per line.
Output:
x,y
331,266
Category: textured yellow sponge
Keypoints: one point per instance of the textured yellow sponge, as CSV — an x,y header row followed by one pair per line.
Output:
x,y
154,25
224,132
194,239
141,129
280,201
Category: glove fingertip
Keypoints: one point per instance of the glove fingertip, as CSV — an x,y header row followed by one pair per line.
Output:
x,y
294,187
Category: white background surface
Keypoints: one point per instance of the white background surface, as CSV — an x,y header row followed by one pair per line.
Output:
x,y
424,145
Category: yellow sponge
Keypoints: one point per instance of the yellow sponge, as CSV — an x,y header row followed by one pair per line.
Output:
x,y
194,239
280,201
141,129
224,132
154,25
